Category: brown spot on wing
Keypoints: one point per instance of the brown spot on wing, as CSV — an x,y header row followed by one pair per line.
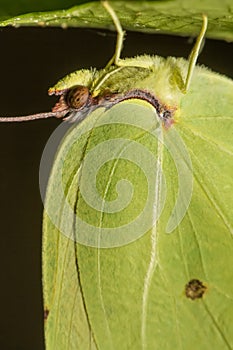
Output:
x,y
195,289
46,314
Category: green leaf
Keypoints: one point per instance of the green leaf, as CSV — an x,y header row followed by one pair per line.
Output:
x,y
134,293
14,8
174,17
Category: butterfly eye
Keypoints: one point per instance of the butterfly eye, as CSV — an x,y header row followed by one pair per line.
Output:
x,y
77,96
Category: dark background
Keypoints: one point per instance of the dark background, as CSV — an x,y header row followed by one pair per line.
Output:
x,y
31,60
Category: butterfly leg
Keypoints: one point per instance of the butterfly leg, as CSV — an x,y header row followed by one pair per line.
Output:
x,y
133,62
116,61
120,35
194,53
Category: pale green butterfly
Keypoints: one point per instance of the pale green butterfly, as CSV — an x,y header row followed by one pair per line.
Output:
x,y
159,291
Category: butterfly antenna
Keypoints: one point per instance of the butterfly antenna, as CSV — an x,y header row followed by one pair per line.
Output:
x,y
33,117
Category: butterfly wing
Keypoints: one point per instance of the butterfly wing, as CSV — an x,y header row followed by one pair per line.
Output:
x,y
126,283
